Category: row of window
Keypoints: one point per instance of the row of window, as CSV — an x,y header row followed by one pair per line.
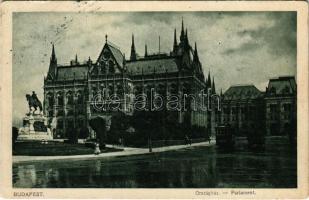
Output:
x,y
275,108
69,112
70,123
60,100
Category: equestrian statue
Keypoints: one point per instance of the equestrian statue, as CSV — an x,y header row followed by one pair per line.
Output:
x,y
34,102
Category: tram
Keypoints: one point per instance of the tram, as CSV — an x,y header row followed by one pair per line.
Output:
x,y
225,136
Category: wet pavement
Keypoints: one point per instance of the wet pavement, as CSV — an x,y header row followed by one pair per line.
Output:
x,y
195,167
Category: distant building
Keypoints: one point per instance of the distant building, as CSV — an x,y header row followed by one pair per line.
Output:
x,y
75,93
242,108
280,103
249,110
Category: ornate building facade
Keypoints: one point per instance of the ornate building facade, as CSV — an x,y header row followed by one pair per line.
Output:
x,y
243,109
280,103
76,93
249,110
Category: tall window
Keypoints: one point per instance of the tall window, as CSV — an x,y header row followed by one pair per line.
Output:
x,y
273,111
110,90
111,68
79,98
286,110
70,99
59,124
234,113
60,99
50,98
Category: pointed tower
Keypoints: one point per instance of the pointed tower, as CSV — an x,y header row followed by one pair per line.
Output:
x,y
53,56
213,87
76,60
195,54
146,53
133,52
175,42
89,62
186,39
182,34
53,64
124,68
209,80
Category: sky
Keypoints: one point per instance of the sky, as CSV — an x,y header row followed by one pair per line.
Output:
x,y
236,47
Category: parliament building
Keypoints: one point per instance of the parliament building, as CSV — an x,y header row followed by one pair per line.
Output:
x,y
78,92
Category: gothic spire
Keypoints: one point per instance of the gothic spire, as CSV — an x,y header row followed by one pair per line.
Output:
x,y
133,52
146,53
186,38
182,35
124,59
213,87
209,80
195,55
175,41
53,56
53,64
76,58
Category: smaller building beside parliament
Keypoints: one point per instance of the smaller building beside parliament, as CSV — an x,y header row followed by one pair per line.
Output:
x,y
76,93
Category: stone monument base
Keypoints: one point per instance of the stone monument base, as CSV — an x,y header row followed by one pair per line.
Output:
x,y
34,128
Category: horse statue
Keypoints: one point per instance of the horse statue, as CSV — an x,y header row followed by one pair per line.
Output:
x,y
34,102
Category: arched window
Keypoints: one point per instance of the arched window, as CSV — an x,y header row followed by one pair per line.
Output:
x,y
59,124
111,68
110,90
103,68
79,97
70,98
60,99
50,99
186,88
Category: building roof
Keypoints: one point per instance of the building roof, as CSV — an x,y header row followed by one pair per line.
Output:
x,y
281,86
72,71
117,54
161,65
242,92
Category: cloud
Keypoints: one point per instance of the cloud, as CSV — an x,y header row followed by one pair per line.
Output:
x,y
236,47
280,38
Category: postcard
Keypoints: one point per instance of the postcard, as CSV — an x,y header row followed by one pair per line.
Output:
x,y
146,99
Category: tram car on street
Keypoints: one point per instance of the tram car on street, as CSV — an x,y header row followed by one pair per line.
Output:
x,y
225,136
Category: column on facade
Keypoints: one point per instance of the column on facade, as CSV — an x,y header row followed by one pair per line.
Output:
x,y
64,107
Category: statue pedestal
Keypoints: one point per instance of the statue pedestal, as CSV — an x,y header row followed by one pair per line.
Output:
x,y
34,128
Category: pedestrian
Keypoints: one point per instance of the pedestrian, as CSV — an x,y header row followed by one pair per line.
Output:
x,y
187,140
97,150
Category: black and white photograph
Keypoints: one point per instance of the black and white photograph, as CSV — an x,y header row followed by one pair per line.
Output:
x,y
178,99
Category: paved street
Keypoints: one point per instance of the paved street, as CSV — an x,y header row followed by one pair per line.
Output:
x,y
127,151
196,166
